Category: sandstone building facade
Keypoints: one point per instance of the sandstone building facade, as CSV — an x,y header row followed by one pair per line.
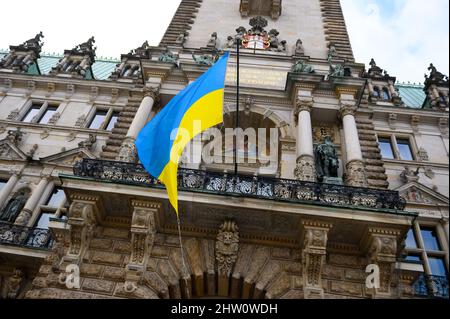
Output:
x,y
72,192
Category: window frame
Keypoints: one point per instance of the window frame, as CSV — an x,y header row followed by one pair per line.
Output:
x,y
421,250
110,110
394,144
44,106
44,208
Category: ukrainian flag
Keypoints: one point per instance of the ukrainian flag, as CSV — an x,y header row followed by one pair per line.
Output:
x,y
195,109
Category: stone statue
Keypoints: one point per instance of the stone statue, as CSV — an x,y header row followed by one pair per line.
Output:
x,y
374,69
181,38
327,162
299,50
230,42
409,175
212,43
89,143
331,52
301,67
168,57
337,71
207,60
435,76
14,207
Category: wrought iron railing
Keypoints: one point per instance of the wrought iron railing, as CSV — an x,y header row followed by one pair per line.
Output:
x,y
431,286
22,236
246,186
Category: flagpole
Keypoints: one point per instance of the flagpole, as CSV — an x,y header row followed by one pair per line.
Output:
x,y
238,43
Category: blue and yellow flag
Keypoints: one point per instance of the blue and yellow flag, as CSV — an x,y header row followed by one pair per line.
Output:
x,y
195,109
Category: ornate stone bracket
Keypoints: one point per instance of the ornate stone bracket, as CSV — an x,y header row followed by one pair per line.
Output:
x,y
315,237
381,247
143,231
227,247
83,216
13,284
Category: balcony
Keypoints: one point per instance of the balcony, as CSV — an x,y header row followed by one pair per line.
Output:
x,y
431,287
26,237
265,188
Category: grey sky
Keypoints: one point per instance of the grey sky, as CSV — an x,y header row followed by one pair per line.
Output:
x,y
403,36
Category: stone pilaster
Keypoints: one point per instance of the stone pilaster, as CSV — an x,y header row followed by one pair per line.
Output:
x,y
355,172
82,221
381,247
315,237
305,169
227,247
143,231
127,152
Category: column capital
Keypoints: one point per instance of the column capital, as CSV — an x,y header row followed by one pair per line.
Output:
x,y
303,104
151,92
16,172
347,109
46,176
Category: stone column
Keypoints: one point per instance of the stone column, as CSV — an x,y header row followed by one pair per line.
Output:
x,y
444,223
315,237
127,151
31,203
9,186
305,170
143,231
355,174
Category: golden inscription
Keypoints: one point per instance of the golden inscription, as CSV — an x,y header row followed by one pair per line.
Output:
x,y
266,78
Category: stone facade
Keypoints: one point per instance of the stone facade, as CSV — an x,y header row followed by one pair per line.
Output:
x,y
113,235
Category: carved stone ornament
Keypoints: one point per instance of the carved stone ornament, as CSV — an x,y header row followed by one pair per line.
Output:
x,y
305,169
313,257
89,142
127,152
382,252
82,222
227,246
355,174
408,175
21,57
143,231
422,154
15,136
13,284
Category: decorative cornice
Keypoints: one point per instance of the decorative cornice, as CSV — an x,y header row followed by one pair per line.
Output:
x,y
145,204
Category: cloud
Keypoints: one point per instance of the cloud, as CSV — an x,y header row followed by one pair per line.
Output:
x,y
403,36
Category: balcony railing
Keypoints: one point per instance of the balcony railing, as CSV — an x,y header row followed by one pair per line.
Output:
x,y
22,236
431,286
245,186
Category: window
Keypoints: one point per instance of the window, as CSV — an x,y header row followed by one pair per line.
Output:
x,y
430,239
48,114
396,147
386,95
411,240
2,183
386,148
437,266
57,198
32,113
97,121
404,149
112,121
39,113
376,92
423,245
55,201
104,119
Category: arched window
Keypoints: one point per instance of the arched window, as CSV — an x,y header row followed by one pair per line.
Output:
x,y
386,95
376,92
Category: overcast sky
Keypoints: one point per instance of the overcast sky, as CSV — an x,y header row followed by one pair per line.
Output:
x,y
403,36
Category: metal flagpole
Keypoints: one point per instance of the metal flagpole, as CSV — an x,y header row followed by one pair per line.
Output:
x,y
238,43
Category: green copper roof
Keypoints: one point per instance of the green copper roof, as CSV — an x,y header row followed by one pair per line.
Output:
x,y
412,94
102,68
